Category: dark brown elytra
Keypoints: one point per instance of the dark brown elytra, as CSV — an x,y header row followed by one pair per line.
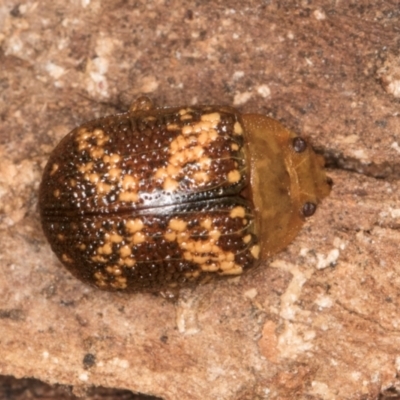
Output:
x,y
160,198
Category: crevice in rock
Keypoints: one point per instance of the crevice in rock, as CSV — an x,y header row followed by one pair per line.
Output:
x,y
28,388
336,160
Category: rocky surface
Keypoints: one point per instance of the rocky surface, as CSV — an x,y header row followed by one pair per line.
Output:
x,y
321,319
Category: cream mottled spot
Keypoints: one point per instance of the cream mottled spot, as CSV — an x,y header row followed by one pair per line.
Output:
x,y
129,182
96,152
56,193
125,251
99,259
119,283
66,258
138,238
247,239
114,173
234,146
93,178
81,246
212,117
114,270
112,158
54,169
186,130
226,265
105,249
129,189
72,182
100,278
214,234
206,253
170,185
210,267
206,223
86,167
237,212
177,224
255,251
113,237
237,129
127,262
234,176
128,196
170,236
188,148
172,127
134,225
201,177
235,270
104,188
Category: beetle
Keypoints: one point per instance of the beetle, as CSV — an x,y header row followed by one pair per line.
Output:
x,y
157,199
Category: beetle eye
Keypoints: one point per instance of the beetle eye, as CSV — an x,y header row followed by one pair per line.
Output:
x,y
299,145
309,209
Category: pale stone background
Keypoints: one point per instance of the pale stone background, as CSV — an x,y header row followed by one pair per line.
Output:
x,y
321,320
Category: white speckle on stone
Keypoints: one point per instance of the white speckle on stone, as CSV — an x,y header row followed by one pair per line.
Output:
x,y
397,363
308,61
45,355
214,373
14,46
149,84
105,46
235,36
118,362
395,146
290,35
394,212
293,341
303,251
350,139
237,75
339,243
394,88
360,154
54,70
289,298
23,8
83,376
376,377
355,375
319,15
97,83
324,301
241,98
322,390
330,259
186,316
251,293
85,3
264,91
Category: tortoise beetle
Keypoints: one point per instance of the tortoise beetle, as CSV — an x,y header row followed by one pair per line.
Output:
x,y
161,198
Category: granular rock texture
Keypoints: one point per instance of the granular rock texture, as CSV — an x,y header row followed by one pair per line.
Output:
x,y
319,320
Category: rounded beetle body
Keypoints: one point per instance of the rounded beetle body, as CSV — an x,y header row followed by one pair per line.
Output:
x,y
160,198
